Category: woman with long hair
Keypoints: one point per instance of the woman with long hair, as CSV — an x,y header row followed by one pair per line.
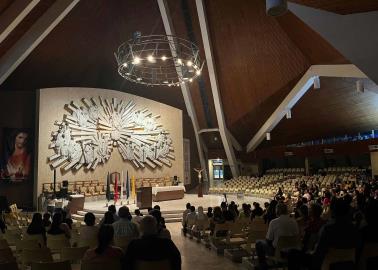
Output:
x,y
58,227
36,226
104,251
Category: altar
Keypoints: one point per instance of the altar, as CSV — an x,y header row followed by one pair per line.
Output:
x,y
167,193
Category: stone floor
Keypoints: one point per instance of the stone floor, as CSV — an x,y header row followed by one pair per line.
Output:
x,y
195,256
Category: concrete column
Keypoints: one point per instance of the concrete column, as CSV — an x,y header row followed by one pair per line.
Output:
x,y
374,163
307,166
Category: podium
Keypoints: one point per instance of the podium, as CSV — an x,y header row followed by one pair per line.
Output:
x,y
76,203
144,197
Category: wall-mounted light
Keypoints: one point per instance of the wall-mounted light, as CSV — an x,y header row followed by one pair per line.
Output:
x,y
316,82
360,86
268,136
288,114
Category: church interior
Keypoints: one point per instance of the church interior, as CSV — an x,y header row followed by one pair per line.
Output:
x,y
188,134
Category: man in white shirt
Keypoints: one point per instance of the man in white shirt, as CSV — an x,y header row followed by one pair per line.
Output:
x,y
281,226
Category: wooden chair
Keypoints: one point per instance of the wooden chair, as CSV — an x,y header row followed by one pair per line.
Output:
x,y
236,235
87,242
148,265
35,255
92,191
4,244
253,236
61,265
26,244
8,266
6,255
57,242
100,189
283,243
73,254
111,264
38,237
122,242
334,256
369,251
220,232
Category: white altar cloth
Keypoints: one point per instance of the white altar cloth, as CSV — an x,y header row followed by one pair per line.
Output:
x,y
155,190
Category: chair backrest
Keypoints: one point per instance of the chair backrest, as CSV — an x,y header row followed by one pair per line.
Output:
x,y
111,264
61,265
369,251
285,242
6,255
4,244
26,244
253,236
87,242
36,255
8,265
334,256
148,265
73,253
37,237
122,242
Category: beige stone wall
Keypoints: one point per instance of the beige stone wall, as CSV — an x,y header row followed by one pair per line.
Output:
x,y
51,108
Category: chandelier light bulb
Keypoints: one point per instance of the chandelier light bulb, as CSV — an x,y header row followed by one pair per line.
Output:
x,y
190,80
124,64
139,79
163,58
198,72
150,58
189,63
136,60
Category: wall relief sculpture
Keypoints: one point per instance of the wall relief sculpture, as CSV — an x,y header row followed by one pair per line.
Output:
x,y
92,129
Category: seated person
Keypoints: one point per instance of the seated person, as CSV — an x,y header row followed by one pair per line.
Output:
x,y
124,227
162,231
104,250
138,216
88,233
257,210
283,225
46,220
217,219
209,213
186,211
36,226
191,217
315,222
58,227
151,248
108,219
112,209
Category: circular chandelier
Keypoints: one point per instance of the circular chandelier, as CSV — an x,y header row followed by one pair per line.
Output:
x,y
158,60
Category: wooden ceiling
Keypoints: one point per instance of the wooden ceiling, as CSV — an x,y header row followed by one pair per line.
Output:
x,y
335,109
341,6
258,60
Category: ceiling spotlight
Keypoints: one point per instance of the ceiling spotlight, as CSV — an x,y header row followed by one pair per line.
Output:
x,y
136,60
179,61
288,114
163,58
190,80
139,79
360,86
150,58
276,8
127,73
198,72
124,64
195,66
165,81
189,63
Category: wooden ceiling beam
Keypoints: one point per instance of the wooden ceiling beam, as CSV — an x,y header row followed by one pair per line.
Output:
x,y
169,30
13,15
34,36
303,85
214,88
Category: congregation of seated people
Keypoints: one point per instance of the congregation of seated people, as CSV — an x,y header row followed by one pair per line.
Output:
x,y
335,226
118,240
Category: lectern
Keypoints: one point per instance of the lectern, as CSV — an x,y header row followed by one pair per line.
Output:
x,y
144,197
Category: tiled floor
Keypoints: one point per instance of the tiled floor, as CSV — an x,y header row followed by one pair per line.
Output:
x,y
195,256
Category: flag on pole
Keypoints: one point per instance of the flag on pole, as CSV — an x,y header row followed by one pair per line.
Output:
x,y
121,181
116,189
127,185
133,191
108,187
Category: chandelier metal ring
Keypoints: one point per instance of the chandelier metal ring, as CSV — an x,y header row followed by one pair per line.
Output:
x,y
159,60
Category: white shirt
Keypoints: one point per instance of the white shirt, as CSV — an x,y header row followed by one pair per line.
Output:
x,y
137,219
282,226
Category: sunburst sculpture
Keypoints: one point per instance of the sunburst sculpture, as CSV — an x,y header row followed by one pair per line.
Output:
x,y
88,134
